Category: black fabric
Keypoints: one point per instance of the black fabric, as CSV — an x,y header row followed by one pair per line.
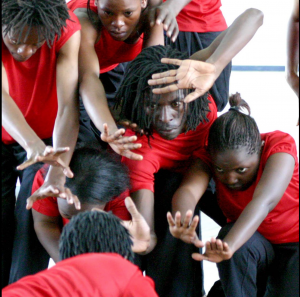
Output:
x,y
22,254
192,42
170,264
260,268
216,290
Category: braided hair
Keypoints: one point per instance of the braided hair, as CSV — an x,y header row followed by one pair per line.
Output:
x,y
48,17
235,129
134,95
95,232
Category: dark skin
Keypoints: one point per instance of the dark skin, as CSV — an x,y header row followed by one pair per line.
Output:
x,y
204,67
237,167
48,229
293,50
67,121
123,20
217,56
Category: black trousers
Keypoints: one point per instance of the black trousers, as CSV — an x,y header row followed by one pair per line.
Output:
x,y
260,268
170,264
192,42
22,253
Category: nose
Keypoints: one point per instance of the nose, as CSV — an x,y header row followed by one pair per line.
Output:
x,y
231,178
25,51
118,23
165,115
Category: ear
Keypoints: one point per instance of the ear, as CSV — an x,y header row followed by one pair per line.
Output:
x,y
144,3
96,3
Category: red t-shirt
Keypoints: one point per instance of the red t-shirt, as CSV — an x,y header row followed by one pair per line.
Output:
x,y
201,16
109,51
282,223
173,154
86,275
48,206
32,84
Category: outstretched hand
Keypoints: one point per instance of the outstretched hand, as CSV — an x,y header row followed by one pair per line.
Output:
x,y
215,251
48,155
122,145
137,227
53,189
191,74
185,231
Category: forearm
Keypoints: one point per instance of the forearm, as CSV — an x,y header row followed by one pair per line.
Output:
x,y
232,40
48,235
94,99
178,5
248,222
15,124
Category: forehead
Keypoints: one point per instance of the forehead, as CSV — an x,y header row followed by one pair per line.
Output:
x,y
168,97
230,159
119,4
27,36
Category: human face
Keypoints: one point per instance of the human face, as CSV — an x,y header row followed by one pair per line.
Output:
x,y
168,114
236,169
67,211
120,17
26,47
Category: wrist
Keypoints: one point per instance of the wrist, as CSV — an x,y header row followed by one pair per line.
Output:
x,y
55,173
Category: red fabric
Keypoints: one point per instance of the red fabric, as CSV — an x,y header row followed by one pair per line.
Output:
x,y
88,275
173,154
202,16
32,84
109,51
282,223
48,206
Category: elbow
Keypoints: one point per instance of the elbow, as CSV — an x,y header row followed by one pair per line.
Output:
x,y
257,15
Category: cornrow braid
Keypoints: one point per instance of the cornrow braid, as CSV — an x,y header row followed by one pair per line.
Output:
x,y
134,95
95,232
235,129
48,17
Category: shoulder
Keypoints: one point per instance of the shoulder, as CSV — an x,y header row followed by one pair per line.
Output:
x,y
279,142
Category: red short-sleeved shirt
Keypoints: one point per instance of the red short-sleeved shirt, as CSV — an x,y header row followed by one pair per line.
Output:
x,y
88,275
32,84
109,51
48,206
202,16
173,154
282,223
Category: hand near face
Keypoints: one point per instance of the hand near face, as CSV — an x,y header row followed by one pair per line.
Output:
x,y
185,231
48,155
137,227
53,188
122,145
191,74
165,14
216,251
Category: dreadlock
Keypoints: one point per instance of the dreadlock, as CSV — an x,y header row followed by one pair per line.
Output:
x,y
134,95
234,129
48,17
95,232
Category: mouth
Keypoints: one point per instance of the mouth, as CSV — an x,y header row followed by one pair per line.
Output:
x,y
118,34
235,187
19,58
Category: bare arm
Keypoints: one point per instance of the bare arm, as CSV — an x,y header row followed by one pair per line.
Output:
x,y
48,231
15,124
272,185
232,40
144,201
293,50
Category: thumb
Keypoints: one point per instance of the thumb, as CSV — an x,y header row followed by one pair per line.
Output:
x,y
131,208
29,202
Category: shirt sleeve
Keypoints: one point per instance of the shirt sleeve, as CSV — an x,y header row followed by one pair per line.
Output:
x,y
140,286
73,25
118,207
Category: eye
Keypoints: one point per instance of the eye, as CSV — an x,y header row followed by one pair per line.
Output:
x,y
13,41
242,170
128,13
219,170
153,105
176,104
108,13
